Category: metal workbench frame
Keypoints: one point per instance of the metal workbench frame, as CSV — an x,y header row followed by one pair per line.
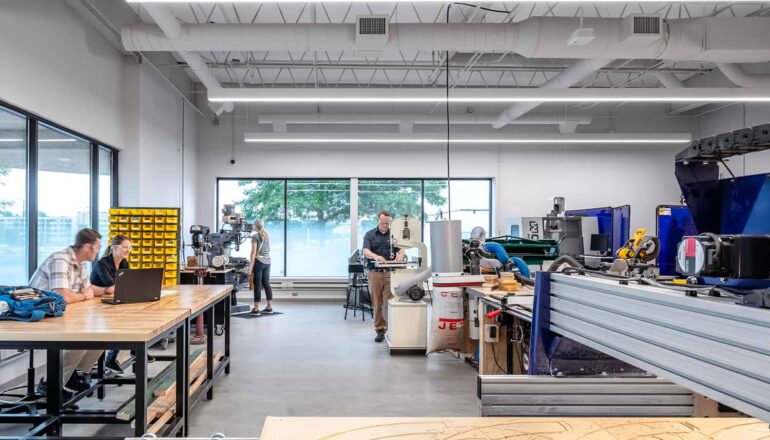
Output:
x,y
711,346
57,414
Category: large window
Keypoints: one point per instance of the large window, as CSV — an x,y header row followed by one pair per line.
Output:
x,y
471,203
399,197
318,214
52,183
13,200
258,199
64,189
318,227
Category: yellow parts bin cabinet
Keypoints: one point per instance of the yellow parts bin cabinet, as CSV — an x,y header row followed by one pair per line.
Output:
x,y
155,237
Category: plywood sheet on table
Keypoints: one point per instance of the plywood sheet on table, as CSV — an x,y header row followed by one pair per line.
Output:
x,y
476,428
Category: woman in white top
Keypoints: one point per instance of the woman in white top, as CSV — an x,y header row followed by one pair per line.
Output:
x,y
260,268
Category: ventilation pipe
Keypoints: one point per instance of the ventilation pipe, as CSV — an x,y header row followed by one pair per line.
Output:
x,y
568,78
173,30
741,78
670,81
712,39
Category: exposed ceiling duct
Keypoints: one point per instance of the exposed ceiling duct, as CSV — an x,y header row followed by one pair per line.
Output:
x,y
568,78
714,39
740,77
670,81
173,30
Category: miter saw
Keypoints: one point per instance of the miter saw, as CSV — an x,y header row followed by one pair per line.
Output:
x,y
636,255
640,248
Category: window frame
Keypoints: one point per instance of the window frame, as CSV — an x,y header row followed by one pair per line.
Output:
x,y
32,146
285,181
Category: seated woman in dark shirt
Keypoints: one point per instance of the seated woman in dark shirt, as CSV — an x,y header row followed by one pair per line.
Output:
x,y
103,275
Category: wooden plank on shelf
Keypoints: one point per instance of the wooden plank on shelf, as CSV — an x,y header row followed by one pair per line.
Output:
x,y
163,404
162,381
161,422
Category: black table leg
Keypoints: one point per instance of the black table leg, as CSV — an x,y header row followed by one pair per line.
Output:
x,y
31,374
509,348
182,373
100,376
227,336
54,392
210,350
140,365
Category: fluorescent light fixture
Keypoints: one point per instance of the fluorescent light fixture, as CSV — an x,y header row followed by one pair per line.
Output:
x,y
426,1
40,140
491,95
466,138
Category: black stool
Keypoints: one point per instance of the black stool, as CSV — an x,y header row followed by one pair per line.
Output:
x,y
357,297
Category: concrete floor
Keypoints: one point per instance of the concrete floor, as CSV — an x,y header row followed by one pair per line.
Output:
x,y
311,362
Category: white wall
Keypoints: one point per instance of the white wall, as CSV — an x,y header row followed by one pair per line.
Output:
x,y
160,155
218,144
57,66
529,178
524,177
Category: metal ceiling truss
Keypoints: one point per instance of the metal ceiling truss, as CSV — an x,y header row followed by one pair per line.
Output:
x,y
271,69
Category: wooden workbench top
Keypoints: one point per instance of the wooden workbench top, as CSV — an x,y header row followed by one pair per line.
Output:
x,y
95,325
467,428
94,320
182,296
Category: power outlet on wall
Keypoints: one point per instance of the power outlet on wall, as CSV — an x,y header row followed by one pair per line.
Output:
x,y
491,332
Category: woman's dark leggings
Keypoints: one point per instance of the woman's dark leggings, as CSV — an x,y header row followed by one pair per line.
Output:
x,y
261,279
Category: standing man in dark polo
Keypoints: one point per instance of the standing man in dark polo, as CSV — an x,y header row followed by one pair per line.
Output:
x,y
377,248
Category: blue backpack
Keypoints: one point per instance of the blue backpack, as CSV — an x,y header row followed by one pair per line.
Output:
x,y
30,310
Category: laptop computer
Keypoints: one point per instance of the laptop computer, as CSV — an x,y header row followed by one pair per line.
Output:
x,y
136,285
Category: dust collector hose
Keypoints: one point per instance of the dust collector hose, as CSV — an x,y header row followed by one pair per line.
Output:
x,y
502,255
414,280
562,260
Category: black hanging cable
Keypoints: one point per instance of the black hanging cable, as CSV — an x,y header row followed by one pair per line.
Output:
x,y
448,180
501,11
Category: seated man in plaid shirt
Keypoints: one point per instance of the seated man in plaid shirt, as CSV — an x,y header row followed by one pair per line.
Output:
x,y
65,273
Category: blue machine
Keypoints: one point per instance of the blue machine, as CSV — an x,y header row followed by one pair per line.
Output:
x,y
734,214
672,223
733,209
613,222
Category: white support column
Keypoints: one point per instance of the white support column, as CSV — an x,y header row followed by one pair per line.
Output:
x,y
353,214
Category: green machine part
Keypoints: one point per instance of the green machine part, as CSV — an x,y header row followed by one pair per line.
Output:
x,y
533,252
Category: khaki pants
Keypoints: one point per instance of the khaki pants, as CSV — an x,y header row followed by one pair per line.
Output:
x,y
379,290
82,360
